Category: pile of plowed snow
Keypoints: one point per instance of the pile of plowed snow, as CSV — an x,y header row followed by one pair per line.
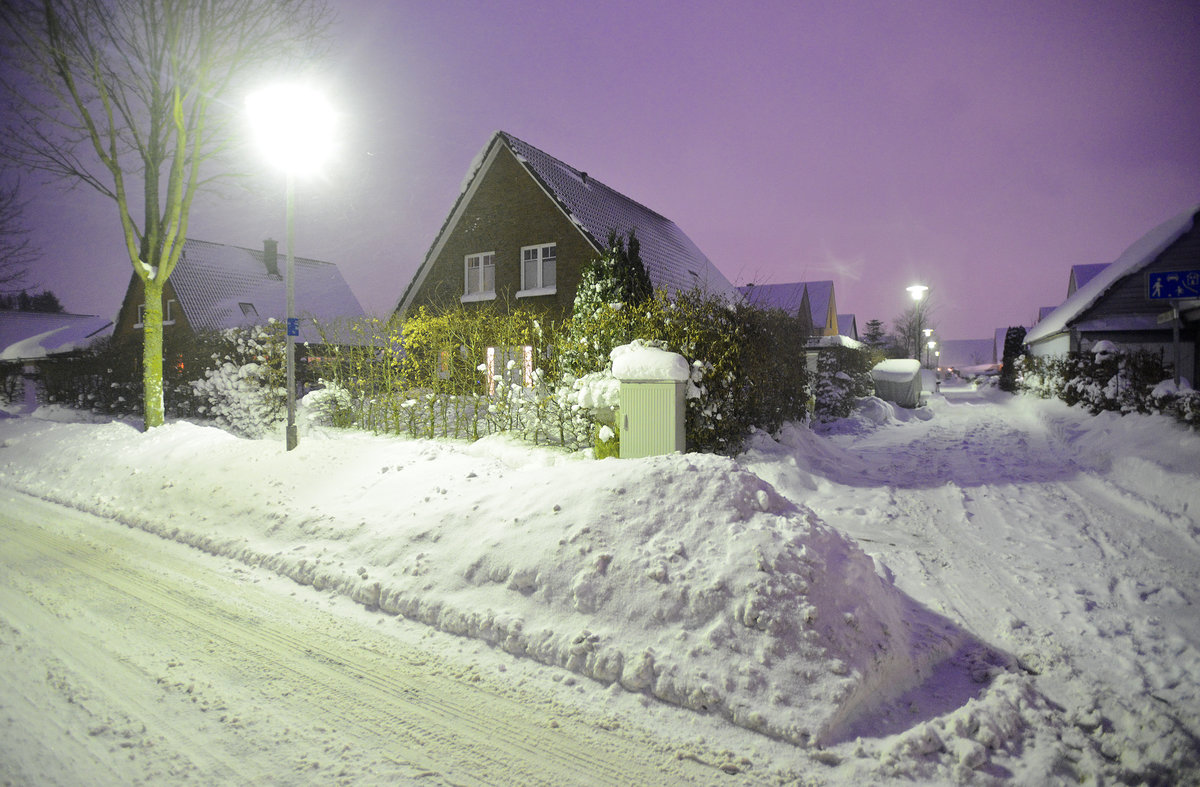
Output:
x,y
685,576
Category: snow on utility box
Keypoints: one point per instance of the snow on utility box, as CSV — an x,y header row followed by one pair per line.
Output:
x,y
653,385
898,380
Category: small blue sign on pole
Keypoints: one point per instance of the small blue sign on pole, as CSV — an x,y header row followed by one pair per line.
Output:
x,y
1172,285
293,326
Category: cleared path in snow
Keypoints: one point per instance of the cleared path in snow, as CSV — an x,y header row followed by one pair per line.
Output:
x,y
181,666
1084,567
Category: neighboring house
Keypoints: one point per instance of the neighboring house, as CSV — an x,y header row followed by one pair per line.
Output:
x,y
1082,274
526,224
848,326
967,353
1116,304
811,300
215,287
29,338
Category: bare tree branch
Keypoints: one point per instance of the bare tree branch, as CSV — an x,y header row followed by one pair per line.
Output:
x,y
137,99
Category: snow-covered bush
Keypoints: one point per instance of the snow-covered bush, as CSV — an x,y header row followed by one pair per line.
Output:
x,y
843,376
246,393
1106,378
330,405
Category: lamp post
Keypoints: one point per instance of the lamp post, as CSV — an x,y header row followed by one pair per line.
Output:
x,y
917,291
928,351
294,127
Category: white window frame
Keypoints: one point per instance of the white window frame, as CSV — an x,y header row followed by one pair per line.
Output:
x,y
546,257
484,260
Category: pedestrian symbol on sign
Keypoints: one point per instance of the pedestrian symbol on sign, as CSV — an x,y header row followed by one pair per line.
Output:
x,y
1172,285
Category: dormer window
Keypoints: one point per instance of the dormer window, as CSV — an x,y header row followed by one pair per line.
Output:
x,y
538,270
248,310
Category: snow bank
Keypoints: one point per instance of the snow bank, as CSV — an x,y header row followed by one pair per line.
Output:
x,y
685,576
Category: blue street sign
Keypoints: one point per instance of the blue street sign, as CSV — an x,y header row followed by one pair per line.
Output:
x,y
293,325
1172,285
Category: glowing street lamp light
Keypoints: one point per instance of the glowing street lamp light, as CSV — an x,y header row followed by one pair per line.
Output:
x,y
917,291
294,127
929,349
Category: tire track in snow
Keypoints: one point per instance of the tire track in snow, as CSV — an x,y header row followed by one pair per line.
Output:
x,y
442,723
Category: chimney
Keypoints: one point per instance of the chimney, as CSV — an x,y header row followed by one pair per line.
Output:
x,y
271,257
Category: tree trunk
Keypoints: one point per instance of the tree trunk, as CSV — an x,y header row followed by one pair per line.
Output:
x,y
152,355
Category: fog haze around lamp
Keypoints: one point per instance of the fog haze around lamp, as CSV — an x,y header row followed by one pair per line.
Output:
x,y
293,126
917,291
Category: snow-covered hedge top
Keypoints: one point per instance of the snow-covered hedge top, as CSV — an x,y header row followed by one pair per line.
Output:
x,y
896,370
639,361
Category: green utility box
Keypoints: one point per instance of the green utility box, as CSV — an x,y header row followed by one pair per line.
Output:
x,y
653,391
652,418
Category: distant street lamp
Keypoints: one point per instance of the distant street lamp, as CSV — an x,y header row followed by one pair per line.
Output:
x,y
294,127
929,349
917,291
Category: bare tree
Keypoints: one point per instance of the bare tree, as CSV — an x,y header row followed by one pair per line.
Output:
x,y
16,250
908,329
138,99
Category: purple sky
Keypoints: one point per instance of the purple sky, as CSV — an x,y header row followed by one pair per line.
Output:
x,y
979,148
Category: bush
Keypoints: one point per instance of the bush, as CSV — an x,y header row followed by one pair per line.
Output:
x,y
1111,380
246,393
1014,341
843,375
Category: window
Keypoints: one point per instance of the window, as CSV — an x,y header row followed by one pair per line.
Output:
x,y
168,314
248,310
537,269
480,277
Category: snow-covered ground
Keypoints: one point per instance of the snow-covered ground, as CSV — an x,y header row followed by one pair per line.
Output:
x,y
987,589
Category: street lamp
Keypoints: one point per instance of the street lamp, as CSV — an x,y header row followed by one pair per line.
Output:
x,y
917,291
294,128
929,349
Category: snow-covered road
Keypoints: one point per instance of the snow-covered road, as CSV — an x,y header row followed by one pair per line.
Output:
x,y
988,590
1052,542
165,665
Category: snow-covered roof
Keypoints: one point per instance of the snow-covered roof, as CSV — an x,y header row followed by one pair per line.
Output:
x,y
1082,274
1143,252
29,335
787,297
820,293
835,341
220,286
1045,312
672,260
966,352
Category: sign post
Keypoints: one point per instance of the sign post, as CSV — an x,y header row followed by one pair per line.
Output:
x,y
1173,286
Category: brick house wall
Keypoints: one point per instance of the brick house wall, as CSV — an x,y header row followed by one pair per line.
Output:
x,y
506,211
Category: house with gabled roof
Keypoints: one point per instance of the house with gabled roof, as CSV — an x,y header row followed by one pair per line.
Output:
x,y
1119,304
28,339
526,224
813,301
1082,274
216,286
848,326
